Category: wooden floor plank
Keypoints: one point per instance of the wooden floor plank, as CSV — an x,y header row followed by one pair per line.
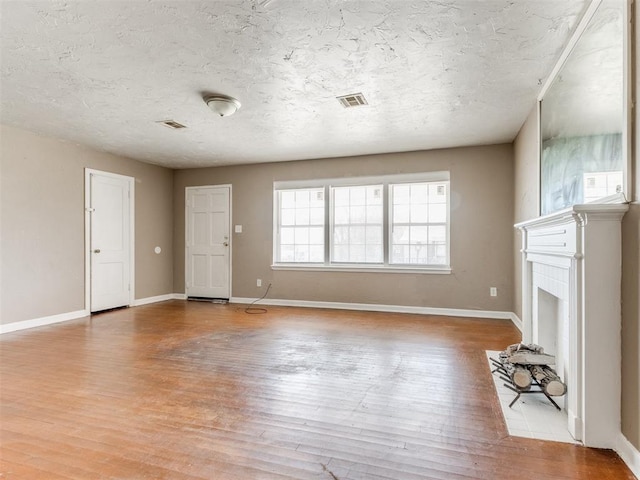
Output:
x,y
189,390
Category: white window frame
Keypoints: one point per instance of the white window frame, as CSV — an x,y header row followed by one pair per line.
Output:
x,y
385,180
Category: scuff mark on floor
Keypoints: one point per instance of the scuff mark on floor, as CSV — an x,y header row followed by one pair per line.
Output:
x,y
324,467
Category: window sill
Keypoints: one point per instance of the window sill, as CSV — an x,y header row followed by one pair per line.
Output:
x,y
444,270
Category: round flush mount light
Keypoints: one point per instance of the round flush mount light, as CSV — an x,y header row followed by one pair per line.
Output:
x,y
222,105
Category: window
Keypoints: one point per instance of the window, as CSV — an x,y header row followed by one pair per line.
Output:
x,y
357,224
301,226
390,223
419,224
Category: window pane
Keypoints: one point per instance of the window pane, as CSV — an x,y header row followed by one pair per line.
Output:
x,y
316,253
401,235
340,197
418,254
302,216
341,215
401,213
358,214
374,235
358,195
316,216
288,199
400,254
357,235
374,253
302,253
437,235
287,236
374,215
419,235
288,216
317,199
401,194
374,195
341,236
357,254
287,253
316,236
302,236
437,193
302,198
419,193
438,213
341,253
419,213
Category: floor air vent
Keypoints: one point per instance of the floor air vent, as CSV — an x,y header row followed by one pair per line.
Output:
x,y
222,301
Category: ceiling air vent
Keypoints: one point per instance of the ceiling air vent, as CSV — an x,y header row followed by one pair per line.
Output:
x,y
353,100
171,124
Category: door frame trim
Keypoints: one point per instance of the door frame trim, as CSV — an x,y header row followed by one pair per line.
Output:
x,y
186,232
87,233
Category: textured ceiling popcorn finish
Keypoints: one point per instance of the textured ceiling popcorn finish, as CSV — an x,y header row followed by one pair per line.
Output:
x,y
435,73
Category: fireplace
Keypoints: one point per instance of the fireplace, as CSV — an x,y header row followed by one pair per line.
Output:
x,y
571,274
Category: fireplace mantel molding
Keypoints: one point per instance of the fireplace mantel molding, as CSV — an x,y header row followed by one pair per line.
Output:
x,y
578,251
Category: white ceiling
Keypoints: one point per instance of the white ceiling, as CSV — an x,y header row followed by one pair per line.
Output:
x,y
435,73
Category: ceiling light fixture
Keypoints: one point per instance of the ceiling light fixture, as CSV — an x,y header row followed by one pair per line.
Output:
x,y
222,105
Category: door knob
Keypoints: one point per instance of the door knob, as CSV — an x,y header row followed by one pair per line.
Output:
x,y
226,244
97,250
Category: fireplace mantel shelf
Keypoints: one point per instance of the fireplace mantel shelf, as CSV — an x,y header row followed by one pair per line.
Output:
x,y
574,255
574,213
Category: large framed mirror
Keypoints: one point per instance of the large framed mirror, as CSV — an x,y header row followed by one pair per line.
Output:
x,y
584,114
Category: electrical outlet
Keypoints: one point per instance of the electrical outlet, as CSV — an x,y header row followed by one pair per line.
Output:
x,y
258,282
493,291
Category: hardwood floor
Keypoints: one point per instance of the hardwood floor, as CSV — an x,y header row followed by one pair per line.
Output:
x,y
187,390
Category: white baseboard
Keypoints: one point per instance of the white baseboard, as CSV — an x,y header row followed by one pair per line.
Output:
x,y
64,317
372,307
629,454
42,321
516,321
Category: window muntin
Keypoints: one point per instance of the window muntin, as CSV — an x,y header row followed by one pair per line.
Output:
x,y
389,223
301,226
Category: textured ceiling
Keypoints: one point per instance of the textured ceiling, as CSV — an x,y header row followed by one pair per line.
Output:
x,y
435,73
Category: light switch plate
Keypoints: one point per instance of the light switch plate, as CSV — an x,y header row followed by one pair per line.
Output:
x,y
238,229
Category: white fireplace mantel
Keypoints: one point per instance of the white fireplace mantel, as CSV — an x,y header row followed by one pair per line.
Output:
x,y
575,255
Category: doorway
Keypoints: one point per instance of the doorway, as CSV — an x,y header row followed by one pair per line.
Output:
x,y
109,240
208,242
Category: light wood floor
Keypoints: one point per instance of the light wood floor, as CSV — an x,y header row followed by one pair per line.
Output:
x,y
187,390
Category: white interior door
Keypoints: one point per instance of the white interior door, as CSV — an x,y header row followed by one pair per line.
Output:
x,y
110,244
208,242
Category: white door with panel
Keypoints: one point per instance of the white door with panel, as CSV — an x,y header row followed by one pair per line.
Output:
x,y
208,266
110,244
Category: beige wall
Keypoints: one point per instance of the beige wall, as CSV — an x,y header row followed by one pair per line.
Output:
x,y
526,193
42,224
526,153
481,230
631,281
